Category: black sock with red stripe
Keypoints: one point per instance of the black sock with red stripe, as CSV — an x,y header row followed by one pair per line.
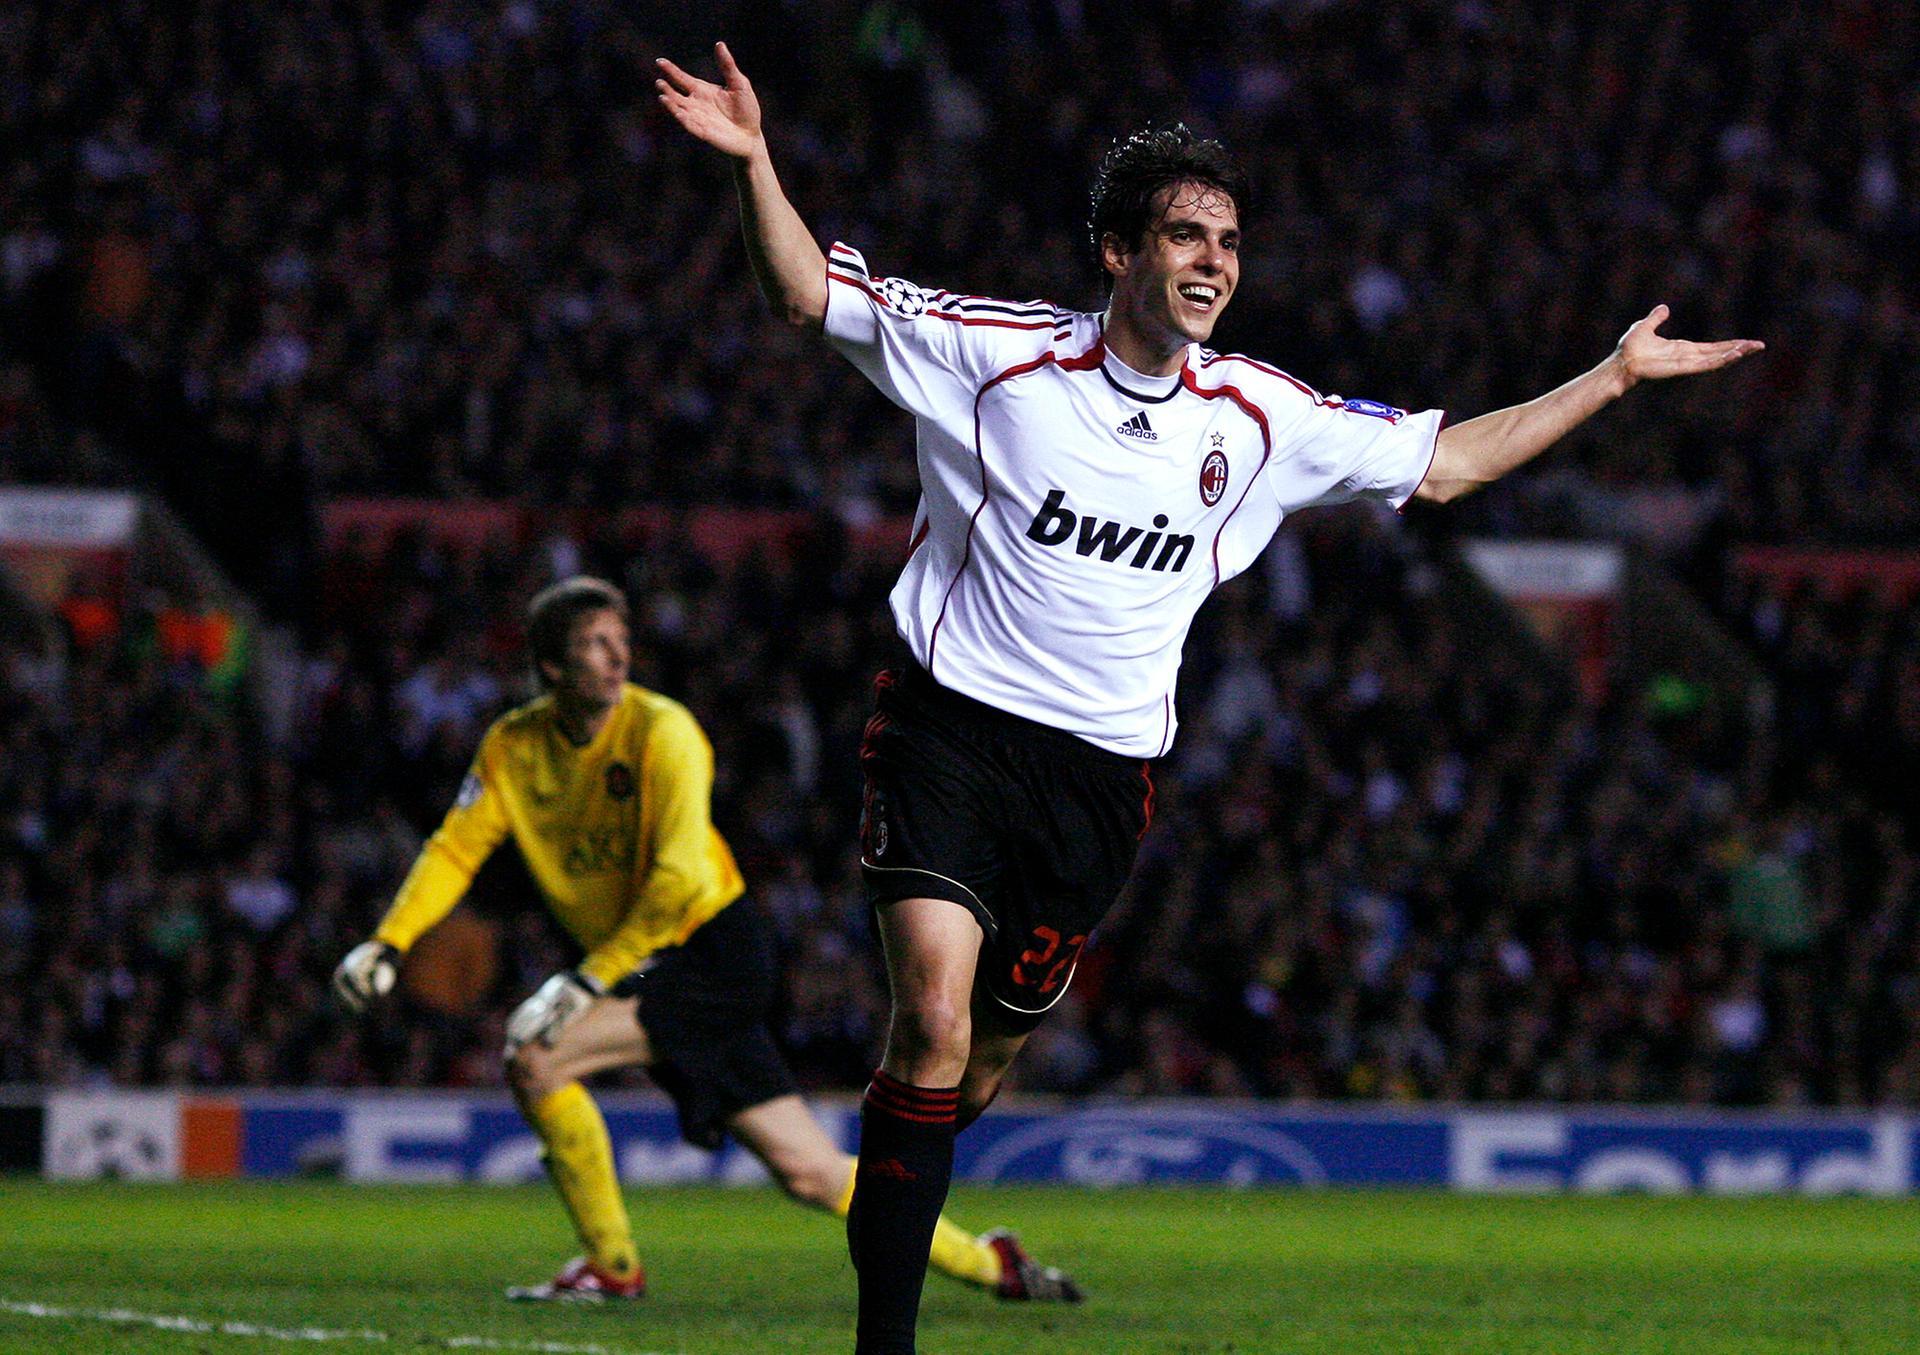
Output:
x,y
900,1187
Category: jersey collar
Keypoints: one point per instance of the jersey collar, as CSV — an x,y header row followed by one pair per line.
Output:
x,y
1138,385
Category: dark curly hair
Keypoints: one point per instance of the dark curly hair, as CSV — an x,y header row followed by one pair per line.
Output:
x,y
1135,169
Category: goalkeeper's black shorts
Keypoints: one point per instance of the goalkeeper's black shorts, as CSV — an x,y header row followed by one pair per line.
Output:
x,y
705,1007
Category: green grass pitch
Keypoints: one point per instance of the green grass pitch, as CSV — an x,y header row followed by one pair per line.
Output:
x,y
1169,1272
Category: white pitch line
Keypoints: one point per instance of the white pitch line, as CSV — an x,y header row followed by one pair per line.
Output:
x,y
553,1347
123,1317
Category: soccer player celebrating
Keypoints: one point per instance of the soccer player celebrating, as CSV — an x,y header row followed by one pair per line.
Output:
x,y
605,787
1086,481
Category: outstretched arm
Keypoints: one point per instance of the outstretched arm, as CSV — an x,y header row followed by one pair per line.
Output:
x,y
474,826
1482,450
787,262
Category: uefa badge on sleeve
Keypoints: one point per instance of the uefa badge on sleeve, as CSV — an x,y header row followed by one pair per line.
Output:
x,y
1373,409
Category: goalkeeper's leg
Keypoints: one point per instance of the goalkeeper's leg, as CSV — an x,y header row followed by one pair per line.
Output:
x,y
579,1155
810,1167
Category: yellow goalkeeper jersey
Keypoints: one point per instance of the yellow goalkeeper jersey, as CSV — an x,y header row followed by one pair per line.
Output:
x,y
619,833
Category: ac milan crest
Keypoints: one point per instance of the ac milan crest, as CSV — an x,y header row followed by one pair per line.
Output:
x,y
1213,477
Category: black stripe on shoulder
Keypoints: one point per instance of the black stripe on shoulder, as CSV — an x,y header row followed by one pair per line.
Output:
x,y
1027,311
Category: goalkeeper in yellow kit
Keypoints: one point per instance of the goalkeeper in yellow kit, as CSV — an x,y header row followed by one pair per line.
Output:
x,y
605,787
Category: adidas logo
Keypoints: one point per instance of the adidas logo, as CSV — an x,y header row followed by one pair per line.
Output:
x,y
1138,427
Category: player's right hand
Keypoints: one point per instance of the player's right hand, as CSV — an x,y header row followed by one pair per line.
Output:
x,y
368,972
726,117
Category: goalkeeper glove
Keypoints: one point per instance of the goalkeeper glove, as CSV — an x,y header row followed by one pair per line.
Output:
x,y
367,973
557,1004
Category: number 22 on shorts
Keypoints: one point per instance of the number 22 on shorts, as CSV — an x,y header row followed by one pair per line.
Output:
x,y
1027,971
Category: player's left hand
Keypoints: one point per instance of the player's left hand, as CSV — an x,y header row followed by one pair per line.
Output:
x,y
1645,355
557,1004
725,116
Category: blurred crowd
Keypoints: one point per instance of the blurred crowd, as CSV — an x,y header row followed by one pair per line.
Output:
x,y
453,247
1394,854
256,255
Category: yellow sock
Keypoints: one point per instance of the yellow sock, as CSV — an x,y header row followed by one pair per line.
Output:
x,y
580,1160
955,1251
845,1202
962,1255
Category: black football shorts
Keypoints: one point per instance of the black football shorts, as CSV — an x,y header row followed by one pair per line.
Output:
x,y
1032,829
705,1007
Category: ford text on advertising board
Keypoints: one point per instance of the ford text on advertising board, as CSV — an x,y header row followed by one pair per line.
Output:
x,y
1675,1154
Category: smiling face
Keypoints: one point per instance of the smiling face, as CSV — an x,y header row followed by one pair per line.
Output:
x,y
1171,286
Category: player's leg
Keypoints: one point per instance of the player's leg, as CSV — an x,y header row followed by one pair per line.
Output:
x,y
932,949
997,1037
796,1151
934,836
546,1082
908,1115
813,1170
1079,814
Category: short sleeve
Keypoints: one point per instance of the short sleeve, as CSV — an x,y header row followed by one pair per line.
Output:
x,y
1366,449
928,351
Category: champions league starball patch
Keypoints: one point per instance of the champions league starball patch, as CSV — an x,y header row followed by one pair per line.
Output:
x,y
903,296
469,792
1373,408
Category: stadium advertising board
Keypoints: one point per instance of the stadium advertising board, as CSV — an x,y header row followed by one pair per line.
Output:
x,y
447,1137
1569,592
132,1135
54,540
73,519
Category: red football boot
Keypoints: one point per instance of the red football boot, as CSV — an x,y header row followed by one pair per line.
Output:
x,y
1025,1280
581,1281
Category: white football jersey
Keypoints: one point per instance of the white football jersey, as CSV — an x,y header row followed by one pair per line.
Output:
x,y
1074,514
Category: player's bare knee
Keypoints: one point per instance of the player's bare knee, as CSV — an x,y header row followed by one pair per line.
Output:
x,y
929,1034
533,1072
933,1027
